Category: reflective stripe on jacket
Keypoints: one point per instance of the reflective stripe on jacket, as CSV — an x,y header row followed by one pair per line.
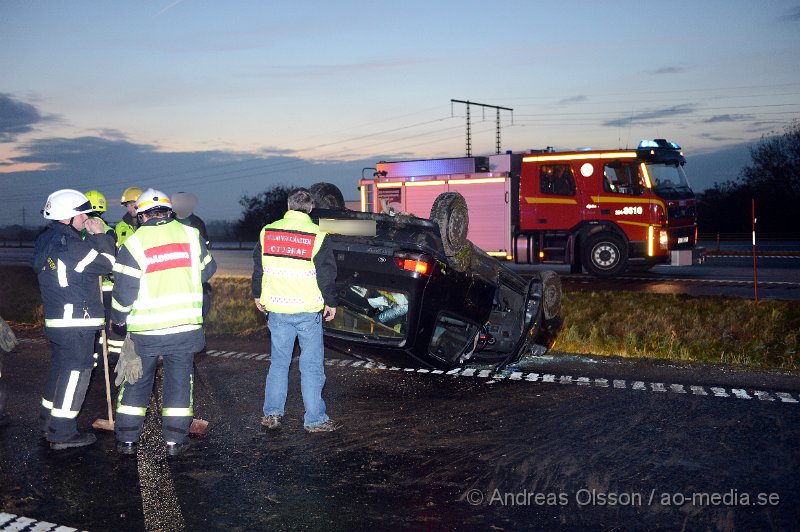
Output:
x,y
159,278
289,281
68,268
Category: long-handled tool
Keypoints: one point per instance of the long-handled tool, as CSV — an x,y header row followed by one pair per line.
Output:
x,y
105,424
99,423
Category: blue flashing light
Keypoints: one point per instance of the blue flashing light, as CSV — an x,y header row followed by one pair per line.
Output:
x,y
658,143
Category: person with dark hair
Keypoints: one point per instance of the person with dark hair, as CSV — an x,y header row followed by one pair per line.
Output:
x,y
294,275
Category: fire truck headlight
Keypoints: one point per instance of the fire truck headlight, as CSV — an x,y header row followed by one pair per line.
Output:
x,y
663,239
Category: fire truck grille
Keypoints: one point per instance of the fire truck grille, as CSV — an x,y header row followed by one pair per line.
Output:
x,y
679,212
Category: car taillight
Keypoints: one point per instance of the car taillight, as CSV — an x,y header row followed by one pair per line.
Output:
x,y
413,264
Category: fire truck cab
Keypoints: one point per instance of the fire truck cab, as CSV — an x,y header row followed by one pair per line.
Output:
x,y
598,210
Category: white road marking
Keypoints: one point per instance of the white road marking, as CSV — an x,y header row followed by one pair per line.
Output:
x,y
520,376
18,522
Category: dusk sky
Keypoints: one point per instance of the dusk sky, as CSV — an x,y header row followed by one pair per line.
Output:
x,y
230,98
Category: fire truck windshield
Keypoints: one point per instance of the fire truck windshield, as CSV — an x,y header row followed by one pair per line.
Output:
x,y
669,181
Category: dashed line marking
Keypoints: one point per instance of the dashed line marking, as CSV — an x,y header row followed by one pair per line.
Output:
x,y
549,378
18,522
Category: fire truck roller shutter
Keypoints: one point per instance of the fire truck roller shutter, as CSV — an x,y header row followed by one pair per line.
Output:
x,y
604,254
327,196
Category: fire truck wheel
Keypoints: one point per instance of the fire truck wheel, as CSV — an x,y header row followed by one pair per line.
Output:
x,y
450,212
327,196
551,292
605,255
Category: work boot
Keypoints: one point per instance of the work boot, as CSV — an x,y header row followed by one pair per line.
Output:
x,y
328,426
272,421
127,447
81,439
175,449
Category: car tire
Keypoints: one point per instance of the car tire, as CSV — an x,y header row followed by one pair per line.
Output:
x,y
450,213
605,255
551,294
327,196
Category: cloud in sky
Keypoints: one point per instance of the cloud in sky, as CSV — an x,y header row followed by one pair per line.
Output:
x,y
219,178
794,14
716,119
573,99
653,116
17,118
667,70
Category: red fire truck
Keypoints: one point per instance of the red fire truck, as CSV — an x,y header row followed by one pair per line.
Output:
x,y
598,210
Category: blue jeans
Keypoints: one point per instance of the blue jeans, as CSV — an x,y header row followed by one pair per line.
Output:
x,y
307,328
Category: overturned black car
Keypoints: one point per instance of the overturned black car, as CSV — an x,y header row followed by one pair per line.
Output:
x,y
416,292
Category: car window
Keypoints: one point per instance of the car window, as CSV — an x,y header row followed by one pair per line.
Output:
x,y
372,311
451,337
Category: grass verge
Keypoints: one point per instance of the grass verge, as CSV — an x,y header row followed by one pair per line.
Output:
x,y
630,324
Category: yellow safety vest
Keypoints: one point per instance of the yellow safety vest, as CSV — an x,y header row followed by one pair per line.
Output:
x,y
170,287
289,280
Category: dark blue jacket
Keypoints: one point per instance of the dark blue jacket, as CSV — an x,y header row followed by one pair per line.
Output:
x,y
69,269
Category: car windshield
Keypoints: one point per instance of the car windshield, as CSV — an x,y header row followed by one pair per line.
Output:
x,y
669,181
372,312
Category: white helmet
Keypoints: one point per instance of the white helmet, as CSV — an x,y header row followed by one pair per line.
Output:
x,y
152,199
65,203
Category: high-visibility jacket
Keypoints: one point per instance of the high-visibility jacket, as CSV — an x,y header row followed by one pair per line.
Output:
x,y
67,268
289,281
125,228
159,278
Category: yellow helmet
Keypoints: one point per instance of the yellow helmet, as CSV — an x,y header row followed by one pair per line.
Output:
x,y
130,194
97,200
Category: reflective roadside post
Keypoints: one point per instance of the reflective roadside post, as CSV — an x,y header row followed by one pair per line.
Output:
x,y
755,272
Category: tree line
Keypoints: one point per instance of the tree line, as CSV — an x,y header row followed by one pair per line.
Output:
x,y
772,179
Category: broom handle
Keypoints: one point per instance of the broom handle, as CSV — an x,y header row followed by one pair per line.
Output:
x,y
105,366
104,340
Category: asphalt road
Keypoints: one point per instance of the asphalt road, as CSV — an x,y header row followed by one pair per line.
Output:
x,y
557,442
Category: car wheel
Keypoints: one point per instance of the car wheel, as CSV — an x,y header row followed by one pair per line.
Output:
x,y
605,255
551,294
450,213
327,196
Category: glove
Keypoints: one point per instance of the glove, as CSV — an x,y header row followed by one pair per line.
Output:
x,y
129,365
7,339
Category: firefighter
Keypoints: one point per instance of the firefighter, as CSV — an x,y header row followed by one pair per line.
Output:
x,y
129,222
158,295
98,202
294,274
68,268
183,204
